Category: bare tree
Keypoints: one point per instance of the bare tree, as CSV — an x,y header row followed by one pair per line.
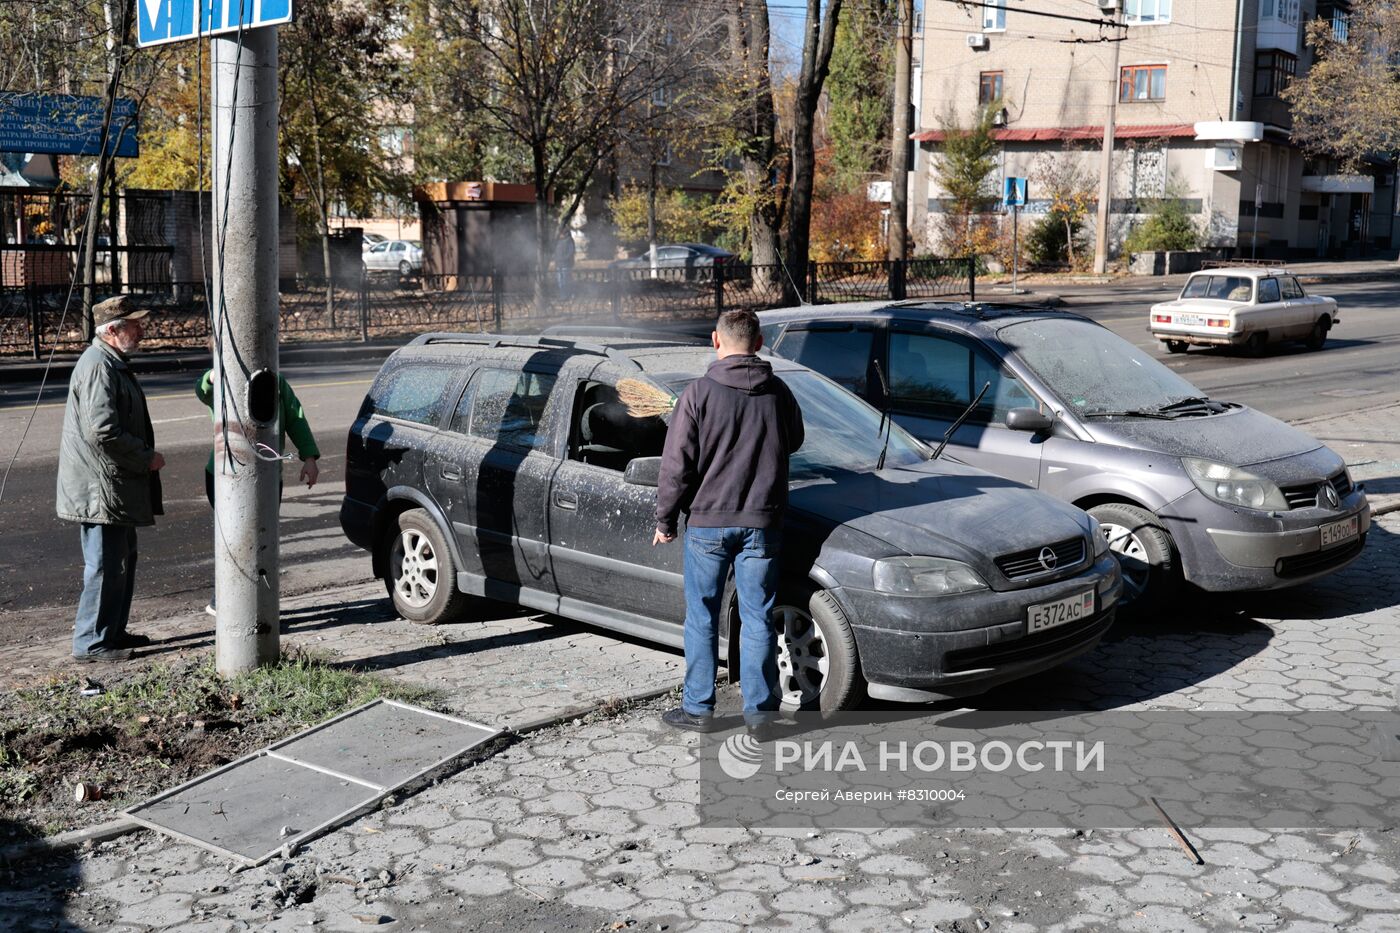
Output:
x,y
816,59
565,81
339,80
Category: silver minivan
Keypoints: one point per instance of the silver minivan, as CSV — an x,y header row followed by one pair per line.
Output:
x,y
1187,488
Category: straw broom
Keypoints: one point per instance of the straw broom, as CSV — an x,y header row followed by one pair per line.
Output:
x,y
643,399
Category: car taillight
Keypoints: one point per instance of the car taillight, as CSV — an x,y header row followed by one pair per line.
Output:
x,y
1218,322
1162,318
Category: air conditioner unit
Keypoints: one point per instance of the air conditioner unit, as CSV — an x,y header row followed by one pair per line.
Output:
x,y
1108,6
978,41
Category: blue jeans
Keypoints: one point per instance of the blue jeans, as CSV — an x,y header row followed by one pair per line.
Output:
x,y
709,553
109,581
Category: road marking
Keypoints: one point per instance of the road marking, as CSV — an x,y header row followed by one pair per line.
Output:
x,y
172,420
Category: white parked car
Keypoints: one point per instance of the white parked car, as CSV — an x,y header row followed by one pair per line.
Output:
x,y
1250,306
402,256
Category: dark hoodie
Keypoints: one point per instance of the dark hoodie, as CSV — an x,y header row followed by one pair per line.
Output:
x,y
727,448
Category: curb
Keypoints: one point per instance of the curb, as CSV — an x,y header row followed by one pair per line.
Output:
x,y
38,848
183,361
70,840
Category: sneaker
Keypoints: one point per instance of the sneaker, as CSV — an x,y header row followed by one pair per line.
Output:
x,y
210,610
104,654
130,640
679,719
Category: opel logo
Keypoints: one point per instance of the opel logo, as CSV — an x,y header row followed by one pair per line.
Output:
x,y
1328,496
1048,560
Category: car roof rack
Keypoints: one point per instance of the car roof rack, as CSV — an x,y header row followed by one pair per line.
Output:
x,y
542,342
1242,264
682,334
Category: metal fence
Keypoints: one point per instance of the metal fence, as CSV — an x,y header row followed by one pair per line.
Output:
x,y
34,319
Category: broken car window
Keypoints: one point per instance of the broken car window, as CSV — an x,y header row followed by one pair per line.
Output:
x,y
509,407
412,393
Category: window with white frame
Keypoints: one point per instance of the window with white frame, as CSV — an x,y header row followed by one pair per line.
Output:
x,y
1282,10
1148,12
994,16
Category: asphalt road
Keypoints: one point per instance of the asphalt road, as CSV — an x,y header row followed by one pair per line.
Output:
x,y
1359,367
40,564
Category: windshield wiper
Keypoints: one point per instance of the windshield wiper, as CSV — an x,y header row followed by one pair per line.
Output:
x,y
1159,415
885,420
1191,402
947,435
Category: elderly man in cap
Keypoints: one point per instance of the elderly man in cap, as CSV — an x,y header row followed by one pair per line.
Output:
x,y
108,479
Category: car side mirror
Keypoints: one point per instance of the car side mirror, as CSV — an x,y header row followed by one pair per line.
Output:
x,y
643,471
1030,420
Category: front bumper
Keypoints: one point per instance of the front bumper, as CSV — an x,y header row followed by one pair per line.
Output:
x,y
917,649
1225,549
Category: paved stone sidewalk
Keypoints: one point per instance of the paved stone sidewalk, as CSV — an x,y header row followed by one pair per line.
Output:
x,y
500,668
594,826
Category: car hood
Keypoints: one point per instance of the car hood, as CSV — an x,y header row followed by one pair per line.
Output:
x,y
940,509
1239,437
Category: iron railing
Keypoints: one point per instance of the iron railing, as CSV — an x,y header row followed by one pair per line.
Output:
x,y
34,319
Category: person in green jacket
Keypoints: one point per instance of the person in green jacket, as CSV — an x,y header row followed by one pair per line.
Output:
x,y
293,423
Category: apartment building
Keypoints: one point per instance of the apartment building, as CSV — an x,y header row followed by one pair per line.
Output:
x,y
1199,116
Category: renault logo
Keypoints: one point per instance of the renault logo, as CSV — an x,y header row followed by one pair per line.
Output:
x,y
1328,496
1048,560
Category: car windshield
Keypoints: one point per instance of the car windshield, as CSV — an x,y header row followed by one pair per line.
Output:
x,y
1223,287
1092,369
843,434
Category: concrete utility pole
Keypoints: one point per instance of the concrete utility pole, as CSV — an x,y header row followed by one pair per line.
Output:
x,y
1106,168
246,397
899,143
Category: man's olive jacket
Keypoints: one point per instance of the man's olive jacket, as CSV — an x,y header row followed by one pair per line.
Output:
x,y
104,459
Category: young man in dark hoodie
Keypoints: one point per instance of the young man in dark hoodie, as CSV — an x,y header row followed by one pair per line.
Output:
x,y
726,466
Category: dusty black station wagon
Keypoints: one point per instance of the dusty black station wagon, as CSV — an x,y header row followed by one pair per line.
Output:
x,y
508,468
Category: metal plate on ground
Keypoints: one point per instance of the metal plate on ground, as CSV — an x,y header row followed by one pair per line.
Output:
x,y
385,744
303,786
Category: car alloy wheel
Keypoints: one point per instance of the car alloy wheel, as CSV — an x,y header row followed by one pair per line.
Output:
x,y
1133,559
803,662
414,566
404,269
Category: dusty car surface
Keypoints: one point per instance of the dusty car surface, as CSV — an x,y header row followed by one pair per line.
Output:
x,y
1243,306
1186,487
508,468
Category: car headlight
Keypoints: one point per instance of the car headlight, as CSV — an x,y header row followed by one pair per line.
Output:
x,y
1100,539
925,576
1234,486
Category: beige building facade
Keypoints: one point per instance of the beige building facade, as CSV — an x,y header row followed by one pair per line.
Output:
x,y
1199,116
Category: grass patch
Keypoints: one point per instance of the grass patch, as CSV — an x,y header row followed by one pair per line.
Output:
x,y
156,727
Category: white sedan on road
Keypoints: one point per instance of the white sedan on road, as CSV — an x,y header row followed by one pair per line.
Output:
x,y
1243,306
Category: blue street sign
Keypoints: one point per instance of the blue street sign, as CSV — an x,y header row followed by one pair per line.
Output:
x,y
161,21
1014,194
61,124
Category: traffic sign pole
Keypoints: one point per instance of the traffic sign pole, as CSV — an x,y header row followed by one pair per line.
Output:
x,y
247,481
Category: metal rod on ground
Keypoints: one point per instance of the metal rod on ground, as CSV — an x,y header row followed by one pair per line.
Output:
x,y
1106,165
1177,834
246,409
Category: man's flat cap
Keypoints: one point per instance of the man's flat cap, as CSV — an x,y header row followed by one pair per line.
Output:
x,y
120,308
